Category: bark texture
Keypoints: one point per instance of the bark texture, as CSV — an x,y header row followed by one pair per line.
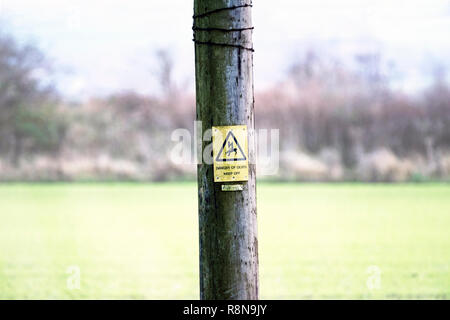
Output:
x,y
224,85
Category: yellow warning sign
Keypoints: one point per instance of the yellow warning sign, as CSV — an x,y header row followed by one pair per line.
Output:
x,y
230,152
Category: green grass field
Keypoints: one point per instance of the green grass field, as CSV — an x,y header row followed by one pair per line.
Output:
x,y
137,241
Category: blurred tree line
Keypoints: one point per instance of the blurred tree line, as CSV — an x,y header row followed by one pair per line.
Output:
x,y
336,123
354,119
30,122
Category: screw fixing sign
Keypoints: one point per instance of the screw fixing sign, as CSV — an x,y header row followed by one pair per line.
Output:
x,y
230,152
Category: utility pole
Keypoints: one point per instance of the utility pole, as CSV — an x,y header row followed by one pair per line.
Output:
x,y
226,188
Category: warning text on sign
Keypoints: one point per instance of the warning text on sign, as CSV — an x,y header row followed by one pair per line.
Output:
x,y
230,151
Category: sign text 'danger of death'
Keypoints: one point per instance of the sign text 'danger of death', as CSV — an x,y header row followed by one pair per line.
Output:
x,y
230,152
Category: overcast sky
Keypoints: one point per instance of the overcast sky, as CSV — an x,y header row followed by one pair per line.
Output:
x,y
104,45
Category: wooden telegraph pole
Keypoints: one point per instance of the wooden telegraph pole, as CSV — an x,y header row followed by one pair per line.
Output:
x,y
226,187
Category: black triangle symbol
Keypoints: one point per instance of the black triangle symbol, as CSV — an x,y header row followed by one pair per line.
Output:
x,y
219,159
